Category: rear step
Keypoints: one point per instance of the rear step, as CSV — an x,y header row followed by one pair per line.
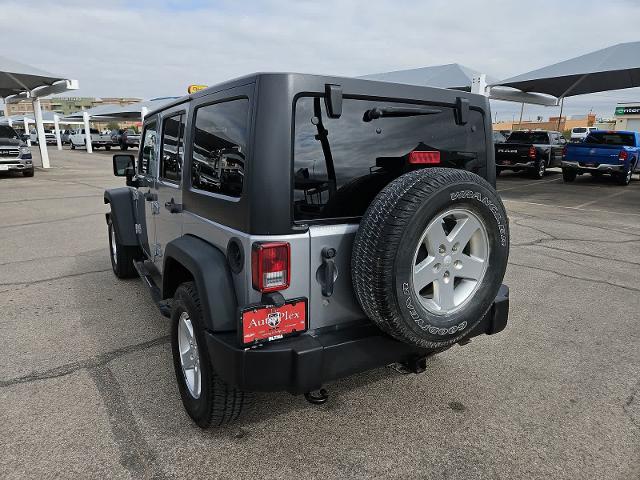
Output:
x,y
156,294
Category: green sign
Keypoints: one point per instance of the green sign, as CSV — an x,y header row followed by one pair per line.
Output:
x,y
633,110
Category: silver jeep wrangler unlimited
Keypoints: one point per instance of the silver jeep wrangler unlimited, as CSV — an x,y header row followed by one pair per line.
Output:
x,y
300,228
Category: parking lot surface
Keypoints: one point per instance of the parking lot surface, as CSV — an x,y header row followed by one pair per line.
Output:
x,y
87,387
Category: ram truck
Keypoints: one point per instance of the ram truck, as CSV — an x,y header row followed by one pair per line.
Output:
x,y
603,152
532,151
79,139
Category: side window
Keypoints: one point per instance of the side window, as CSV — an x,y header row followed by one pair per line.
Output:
x,y
149,160
219,145
172,148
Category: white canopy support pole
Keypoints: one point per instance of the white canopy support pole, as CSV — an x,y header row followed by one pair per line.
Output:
x,y
143,113
479,85
87,132
56,126
26,130
560,116
6,108
521,112
42,139
10,122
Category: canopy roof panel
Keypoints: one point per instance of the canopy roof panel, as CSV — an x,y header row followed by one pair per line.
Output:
x,y
452,75
122,112
16,77
612,68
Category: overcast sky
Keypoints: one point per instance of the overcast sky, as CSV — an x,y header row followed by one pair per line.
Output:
x,y
149,49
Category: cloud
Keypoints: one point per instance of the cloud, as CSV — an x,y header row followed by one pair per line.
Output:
x,y
156,48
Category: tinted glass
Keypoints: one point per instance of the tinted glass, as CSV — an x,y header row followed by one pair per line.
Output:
x,y
528,137
367,155
172,148
149,160
7,132
579,130
611,138
219,144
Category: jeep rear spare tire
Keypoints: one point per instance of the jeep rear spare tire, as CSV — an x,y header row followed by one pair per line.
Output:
x,y
430,255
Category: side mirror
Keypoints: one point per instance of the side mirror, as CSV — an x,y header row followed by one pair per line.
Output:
x,y
123,165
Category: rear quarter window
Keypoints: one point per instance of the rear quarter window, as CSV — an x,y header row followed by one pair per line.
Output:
x,y
340,178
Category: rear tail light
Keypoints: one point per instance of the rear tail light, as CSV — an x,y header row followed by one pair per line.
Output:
x,y
424,158
270,266
564,152
532,152
622,156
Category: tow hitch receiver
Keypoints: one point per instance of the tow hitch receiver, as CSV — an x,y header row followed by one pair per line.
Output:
x,y
318,398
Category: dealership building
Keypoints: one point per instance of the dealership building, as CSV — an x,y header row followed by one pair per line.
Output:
x,y
628,116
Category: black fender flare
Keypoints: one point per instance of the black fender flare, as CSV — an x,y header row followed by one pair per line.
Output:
x,y
209,268
122,214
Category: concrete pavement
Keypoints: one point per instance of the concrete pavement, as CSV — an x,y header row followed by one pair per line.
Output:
x,y
87,388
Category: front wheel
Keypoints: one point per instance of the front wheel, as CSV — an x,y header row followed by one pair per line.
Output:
x,y
124,146
28,173
107,147
73,146
206,397
569,174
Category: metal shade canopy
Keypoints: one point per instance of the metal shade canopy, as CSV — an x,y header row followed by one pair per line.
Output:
x,y
16,77
452,75
612,68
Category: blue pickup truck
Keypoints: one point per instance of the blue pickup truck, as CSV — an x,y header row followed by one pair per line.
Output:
x,y
609,152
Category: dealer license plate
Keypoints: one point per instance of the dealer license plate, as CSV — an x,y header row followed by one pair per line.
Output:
x,y
265,323
4,168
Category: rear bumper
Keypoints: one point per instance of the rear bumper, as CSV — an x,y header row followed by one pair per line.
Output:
x,y
530,164
304,363
602,167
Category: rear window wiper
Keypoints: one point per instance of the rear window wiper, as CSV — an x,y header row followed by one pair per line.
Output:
x,y
379,112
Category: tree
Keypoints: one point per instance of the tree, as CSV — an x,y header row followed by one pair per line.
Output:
x,y
113,126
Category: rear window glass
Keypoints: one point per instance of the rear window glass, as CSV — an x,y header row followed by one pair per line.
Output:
x,y
579,130
611,138
340,164
528,137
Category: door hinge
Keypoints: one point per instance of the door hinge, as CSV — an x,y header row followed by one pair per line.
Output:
x,y
138,228
157,251
155,208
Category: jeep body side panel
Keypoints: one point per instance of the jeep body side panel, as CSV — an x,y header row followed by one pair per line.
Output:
x,y
210,271
122,214
219,236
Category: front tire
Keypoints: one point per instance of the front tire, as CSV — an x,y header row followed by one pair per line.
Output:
x,y
28,173
122,256
208,400
73,146
107,148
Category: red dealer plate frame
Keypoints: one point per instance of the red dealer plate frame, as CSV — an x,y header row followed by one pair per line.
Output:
x,y
265,323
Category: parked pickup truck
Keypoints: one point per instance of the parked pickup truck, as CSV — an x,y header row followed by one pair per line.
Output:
x,y
603,152
50,137
78,139
125,138
15,156
534,151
